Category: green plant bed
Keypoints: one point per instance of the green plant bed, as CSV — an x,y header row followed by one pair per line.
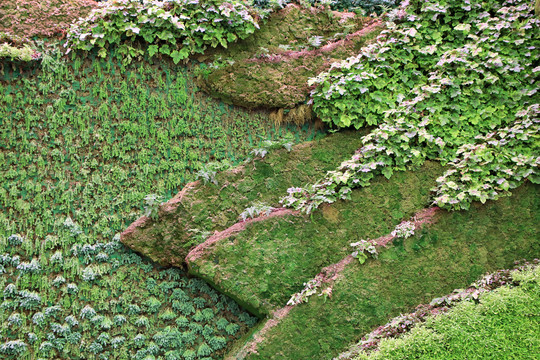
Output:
x,y
450,254
501,325
264,71
81,144
205,208
269,261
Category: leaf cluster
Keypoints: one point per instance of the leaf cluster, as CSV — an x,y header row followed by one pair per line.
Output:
x,y
448,81
177,28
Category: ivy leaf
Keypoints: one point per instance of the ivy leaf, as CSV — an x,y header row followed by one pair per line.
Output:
x,y
165,49
387,172
102,52
179,55
152,50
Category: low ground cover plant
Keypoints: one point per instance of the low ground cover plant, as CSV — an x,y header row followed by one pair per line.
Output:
x,y
447,80
474,326
82,142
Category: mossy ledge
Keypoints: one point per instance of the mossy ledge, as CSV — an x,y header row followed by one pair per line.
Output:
x,y
262,266
271,68
448,254
211,208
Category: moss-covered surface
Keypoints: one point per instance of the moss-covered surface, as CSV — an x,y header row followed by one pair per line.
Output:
x,y
43,18
214,208
451,253
264,265
265,70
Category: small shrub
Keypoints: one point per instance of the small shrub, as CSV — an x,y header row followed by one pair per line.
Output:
x,y
362,248
404,230
14,347
255,210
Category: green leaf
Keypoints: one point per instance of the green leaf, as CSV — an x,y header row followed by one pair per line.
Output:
x,y
179,55
387,172
152,50
165,49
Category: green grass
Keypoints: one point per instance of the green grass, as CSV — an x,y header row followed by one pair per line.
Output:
x,y
81,143
503,325
264,265
450,254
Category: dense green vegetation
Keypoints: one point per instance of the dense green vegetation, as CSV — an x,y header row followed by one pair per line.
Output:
x,y
449,254
447,80
502,324
177,28
82,143
92,141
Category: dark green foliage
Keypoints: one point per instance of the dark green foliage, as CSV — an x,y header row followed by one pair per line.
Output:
x,y
368,6
74,136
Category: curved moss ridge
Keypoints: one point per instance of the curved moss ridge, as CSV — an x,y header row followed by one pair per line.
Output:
x,y
264,71
209,208
452,253
503,325
269,261
404,323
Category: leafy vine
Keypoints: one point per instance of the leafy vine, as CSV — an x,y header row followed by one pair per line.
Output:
x,y
448,80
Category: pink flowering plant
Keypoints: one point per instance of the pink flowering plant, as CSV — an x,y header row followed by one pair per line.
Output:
x,y
448,80
178,28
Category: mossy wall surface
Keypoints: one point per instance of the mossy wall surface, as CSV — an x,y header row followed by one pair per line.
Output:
x,y
257,72
215,208
449,254
268,262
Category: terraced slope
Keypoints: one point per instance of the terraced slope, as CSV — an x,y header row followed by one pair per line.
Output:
x,y
208,208
446,255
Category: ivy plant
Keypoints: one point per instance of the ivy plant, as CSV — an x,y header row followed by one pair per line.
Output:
x,y
448,80
177,28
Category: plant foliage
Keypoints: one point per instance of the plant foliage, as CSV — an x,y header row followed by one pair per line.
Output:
x,y
177,28
449,80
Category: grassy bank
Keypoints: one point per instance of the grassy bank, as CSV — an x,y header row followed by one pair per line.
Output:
x,y
450,254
